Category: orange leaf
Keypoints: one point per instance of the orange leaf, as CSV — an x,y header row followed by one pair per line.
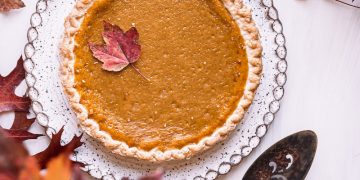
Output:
x,y
59,168
31,170
55,148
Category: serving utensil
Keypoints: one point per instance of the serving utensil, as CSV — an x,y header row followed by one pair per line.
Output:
x,y
290,158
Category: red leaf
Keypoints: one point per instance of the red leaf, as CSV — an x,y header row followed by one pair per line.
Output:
x,y
128,41
8,100
21,121
6,176
12,157
7,5
111,55
20,134
120,50
18,130
78,174
55,148
30,171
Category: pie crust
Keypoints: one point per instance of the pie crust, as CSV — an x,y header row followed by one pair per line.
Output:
x,y
243,17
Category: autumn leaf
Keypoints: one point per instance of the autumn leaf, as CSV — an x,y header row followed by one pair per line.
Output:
x,y
128,41
31,170
7,5
8,100
15,163
55,148
59,168
111,55
12,157
18,130
120,49
21,121
78,174
20,134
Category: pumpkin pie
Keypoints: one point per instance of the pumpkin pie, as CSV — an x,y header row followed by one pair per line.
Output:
x,y
202,62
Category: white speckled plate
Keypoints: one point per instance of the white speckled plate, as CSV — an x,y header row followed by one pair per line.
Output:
x,y
53,111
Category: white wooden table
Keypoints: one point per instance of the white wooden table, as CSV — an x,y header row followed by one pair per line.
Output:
x,y
322,92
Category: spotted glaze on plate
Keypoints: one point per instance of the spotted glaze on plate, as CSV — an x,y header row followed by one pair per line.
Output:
x,y
53,111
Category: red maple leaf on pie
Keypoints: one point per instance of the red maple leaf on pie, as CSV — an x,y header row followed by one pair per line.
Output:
x,y
120,50
8,100
7,5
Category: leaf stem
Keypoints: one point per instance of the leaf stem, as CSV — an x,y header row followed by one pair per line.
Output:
x,y
138,71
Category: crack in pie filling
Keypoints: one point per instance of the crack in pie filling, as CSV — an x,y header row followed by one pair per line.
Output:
x,y
203,62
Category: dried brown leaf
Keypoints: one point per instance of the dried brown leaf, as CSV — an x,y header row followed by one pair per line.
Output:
x,y
12,157
7,5
78,174
55,148
20,134
8,100
21,121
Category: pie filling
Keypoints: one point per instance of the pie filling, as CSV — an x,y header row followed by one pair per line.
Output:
x,y
193,54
